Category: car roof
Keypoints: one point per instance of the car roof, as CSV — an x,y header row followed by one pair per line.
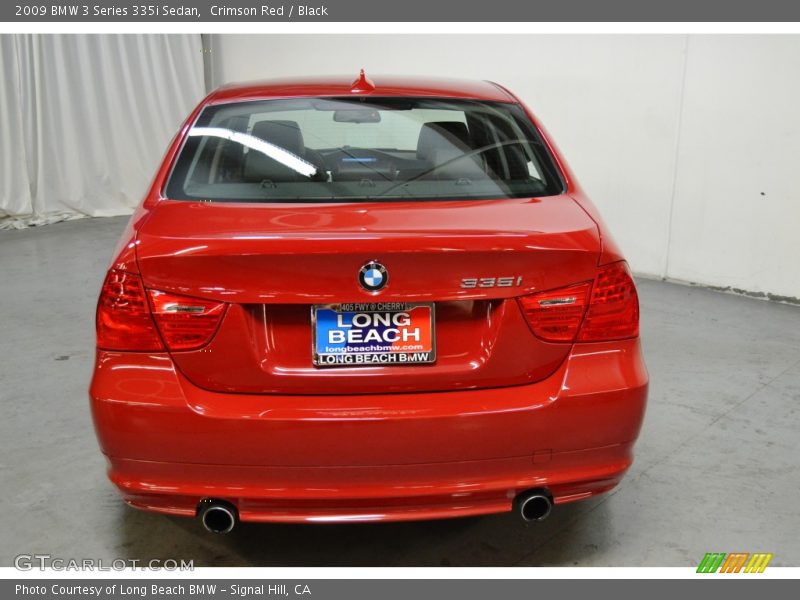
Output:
x,y
362,85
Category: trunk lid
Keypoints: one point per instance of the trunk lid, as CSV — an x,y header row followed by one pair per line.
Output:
x,y
273,262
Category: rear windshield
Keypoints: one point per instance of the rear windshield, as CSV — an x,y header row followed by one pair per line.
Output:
x,y
351,149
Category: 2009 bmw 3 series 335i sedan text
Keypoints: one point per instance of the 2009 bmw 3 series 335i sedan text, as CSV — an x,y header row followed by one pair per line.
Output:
x,y
363,301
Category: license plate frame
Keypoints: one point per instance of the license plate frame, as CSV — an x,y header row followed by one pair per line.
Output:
x,y
391,357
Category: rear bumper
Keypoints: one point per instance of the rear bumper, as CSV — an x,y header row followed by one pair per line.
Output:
x,y
368,457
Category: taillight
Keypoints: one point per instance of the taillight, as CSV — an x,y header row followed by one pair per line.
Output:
x,y
556,315
614,308
123,316
185,323
606,309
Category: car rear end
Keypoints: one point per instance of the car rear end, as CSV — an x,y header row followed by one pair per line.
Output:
x,y
430,324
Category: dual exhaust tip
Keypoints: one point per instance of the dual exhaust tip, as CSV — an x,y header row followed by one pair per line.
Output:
x,y
217,516
534,505
220,516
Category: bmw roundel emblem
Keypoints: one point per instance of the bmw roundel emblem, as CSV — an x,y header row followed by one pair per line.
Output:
x,y
373,276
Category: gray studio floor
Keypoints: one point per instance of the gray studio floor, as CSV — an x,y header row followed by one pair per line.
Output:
x,y
717,463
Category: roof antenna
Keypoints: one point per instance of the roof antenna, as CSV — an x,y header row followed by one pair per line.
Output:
x,y
362,84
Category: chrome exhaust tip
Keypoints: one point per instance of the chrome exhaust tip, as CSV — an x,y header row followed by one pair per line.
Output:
x,y
534,505
217,516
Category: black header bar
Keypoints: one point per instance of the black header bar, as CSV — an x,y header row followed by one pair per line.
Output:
x,y
440,11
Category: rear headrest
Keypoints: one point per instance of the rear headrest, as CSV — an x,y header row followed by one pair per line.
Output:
x,y
443,139
285,134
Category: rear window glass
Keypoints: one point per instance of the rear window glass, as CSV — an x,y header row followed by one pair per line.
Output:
x,y
350,149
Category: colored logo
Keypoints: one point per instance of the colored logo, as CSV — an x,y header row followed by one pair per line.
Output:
x,y
737,562
361,334
373,276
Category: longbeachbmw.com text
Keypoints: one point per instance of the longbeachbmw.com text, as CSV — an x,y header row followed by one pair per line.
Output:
x,y
39,10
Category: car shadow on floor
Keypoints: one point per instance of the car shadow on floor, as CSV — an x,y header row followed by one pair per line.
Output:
x,y
495,540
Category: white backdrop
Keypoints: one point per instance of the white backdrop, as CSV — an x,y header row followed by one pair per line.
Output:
x,y
688,144
84,119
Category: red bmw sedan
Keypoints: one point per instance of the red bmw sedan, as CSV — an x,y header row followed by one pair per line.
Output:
x,y
361,301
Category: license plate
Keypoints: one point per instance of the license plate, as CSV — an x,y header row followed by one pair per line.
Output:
x,y
373,334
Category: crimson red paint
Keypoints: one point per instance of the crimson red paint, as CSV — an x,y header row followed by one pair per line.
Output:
x,y
205,384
